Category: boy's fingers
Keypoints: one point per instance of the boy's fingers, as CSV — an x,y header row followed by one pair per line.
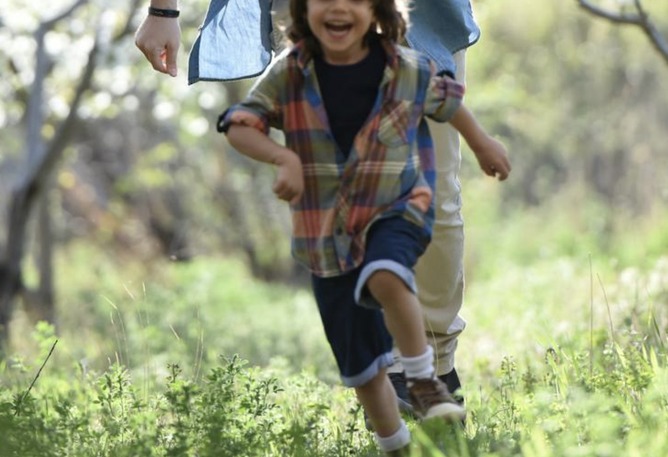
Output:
x,y
503,174
500,172
279,192
296,198
283,192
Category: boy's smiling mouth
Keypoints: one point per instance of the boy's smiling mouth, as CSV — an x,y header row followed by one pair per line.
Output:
x,y
338,28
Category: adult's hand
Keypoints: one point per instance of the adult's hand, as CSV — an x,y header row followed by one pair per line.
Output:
x,y
159,38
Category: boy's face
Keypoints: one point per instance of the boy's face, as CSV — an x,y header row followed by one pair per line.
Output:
x,y
340,27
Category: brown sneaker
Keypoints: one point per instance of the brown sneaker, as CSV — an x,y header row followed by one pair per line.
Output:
x,y
430,398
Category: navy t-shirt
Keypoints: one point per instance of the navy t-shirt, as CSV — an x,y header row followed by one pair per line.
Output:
x,y
349,92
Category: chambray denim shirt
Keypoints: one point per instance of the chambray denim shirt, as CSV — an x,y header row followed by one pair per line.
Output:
x,y
235,40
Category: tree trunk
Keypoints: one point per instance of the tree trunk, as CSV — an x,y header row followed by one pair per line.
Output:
x,y
11,282
41,162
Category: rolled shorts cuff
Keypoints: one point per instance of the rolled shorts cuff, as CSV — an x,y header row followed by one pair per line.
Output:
x,y
362,295
382,361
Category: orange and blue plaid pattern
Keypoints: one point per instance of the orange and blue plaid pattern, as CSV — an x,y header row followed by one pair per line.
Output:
x,y
390,170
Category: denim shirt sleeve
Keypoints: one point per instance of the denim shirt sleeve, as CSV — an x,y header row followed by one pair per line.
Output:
x,y
440,28
234,42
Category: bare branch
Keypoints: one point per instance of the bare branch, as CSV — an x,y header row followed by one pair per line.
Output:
x,y
619,18
639,19
34,115
39,173
50,23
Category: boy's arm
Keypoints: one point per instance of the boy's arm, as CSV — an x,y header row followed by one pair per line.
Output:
x,y
289,183
491,153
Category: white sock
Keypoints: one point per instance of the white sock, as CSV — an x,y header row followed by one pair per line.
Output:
x,y
419,367
399,439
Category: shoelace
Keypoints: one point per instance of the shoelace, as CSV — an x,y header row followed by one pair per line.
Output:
x,y
436,394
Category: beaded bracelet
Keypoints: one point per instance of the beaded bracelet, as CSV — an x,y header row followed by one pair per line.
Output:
x,y
163,12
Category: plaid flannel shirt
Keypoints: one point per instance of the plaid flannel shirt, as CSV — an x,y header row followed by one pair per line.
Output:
x,y
389,170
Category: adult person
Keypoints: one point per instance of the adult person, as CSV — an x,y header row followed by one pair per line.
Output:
x,y
235,42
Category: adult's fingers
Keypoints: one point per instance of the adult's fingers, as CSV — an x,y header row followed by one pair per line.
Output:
x,y
170,59
156,57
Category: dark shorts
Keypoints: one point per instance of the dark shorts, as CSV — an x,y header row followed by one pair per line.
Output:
x,y
352,319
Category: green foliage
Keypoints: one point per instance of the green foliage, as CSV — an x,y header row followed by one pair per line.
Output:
x,y
573,405
574,402
575,98
235,411
186,313
565,352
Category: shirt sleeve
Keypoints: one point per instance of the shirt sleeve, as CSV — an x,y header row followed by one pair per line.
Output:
x,y
444,95
262,107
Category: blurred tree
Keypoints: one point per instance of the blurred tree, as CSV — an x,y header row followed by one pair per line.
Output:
x,y
129,155
580,104
639,19
32,187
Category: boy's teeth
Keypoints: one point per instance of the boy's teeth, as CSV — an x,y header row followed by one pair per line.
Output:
x,y
338,27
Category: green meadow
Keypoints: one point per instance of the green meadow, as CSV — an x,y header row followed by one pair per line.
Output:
x,y
564,353
566,262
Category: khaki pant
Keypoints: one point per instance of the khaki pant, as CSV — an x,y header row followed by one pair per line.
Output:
x,y
440,270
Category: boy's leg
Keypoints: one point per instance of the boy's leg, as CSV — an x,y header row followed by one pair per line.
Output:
x,y
393,246
362,348
428,395
380,403
357,336
403,316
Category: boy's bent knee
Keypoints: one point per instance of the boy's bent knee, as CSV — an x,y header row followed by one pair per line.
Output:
x,y
384,282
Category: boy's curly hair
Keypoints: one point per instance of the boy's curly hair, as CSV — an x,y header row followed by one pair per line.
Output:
x,y
390,22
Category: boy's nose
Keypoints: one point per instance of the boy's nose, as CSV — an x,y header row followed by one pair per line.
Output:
x,y
340,4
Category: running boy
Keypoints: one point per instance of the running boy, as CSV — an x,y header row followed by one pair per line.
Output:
x,y
358,172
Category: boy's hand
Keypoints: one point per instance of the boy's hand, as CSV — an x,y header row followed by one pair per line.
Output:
x,y
289,183
492,157
491,153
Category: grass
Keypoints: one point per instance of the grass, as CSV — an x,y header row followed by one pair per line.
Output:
x,y
564,355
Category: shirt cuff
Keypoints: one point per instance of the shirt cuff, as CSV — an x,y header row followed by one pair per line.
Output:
x,y
237,116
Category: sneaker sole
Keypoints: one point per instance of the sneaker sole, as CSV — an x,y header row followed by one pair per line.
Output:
x,y
451,412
